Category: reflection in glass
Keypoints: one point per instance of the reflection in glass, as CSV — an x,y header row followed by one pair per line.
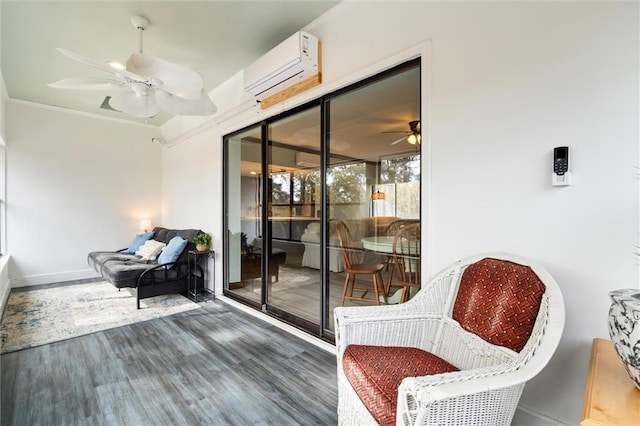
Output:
x,y
294,183
373,186
243,200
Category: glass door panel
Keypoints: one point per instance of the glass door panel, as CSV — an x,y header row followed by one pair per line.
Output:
x,y
294,282
373,179
243,174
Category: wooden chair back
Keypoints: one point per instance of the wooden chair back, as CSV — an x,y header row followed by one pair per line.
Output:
x,y
350,255
406,258
395,226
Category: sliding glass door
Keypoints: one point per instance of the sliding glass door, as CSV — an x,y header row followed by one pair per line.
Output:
x,y
348,162
243,215
294,192
373,181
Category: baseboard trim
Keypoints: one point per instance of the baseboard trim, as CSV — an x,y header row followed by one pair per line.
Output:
x,y
3,298
53,278
535,418
5,283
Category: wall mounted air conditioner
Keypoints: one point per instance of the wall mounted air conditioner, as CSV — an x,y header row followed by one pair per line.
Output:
x,y
306,159
290,62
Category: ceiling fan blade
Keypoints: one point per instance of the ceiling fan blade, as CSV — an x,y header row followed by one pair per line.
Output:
x,y
176,79
104,67
179,106
141,105
404,138
88,84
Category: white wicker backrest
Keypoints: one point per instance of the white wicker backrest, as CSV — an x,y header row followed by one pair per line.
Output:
x,y
470,351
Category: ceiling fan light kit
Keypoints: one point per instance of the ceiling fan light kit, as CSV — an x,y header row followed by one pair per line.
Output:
x,y
412,136
139,22
151,84
116,65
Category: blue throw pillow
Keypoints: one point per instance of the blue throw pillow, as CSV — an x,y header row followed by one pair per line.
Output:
x,y
173,250
138,241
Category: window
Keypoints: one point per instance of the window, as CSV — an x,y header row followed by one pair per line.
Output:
x,y
3,189
400,182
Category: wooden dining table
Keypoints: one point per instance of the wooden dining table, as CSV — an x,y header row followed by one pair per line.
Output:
x,y
381,244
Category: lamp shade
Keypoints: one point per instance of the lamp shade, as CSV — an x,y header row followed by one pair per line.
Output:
x,y
145,224
377,196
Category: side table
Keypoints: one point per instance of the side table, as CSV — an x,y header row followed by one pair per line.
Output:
x,y
611,397
194,257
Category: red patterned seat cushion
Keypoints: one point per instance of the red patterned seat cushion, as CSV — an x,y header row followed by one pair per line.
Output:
x,y
375,372
499,301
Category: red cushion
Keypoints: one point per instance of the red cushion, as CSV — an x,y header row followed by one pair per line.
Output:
x,y
499,301
375,372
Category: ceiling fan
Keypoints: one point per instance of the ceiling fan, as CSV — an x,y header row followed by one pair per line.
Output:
x,y
148,84
412,135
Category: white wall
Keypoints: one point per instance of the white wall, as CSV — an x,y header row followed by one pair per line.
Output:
x,y
192,192
76,183
509,81
3,107
5,286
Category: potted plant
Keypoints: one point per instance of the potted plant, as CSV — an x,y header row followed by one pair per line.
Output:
x,y
202,241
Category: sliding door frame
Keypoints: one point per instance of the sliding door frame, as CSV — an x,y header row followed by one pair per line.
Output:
x,y
321,330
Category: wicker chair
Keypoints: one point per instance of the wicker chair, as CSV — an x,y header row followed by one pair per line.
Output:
x,y
458,353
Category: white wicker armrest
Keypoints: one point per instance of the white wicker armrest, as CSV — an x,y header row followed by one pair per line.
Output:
x,y
486,388
418,331
397,325
383,311
416,394
430,299
428,389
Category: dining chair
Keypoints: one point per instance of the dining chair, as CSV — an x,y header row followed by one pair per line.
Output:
x,y
395,226
406,259
354,265
390,231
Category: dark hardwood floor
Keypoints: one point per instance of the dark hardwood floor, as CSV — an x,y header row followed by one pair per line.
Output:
x,y
210,366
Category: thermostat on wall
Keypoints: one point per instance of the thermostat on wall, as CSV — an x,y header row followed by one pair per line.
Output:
x,y
561,174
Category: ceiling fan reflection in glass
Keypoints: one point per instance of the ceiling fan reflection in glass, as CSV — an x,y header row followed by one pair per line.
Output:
x,y
412,135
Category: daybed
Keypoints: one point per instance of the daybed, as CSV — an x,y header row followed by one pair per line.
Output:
x,y
150,270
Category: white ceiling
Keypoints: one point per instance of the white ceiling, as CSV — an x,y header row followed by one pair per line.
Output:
x,y
214,38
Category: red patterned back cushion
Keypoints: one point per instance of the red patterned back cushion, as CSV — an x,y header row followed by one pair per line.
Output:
x,y
499,301
375,372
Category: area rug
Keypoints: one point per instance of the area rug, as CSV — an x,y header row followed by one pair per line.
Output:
x,y
289,278
37,317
